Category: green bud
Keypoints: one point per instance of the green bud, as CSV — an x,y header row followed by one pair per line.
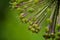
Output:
x,y
30,27
35,25
38,28
14,4
33,29
30,22
24,20
36,31
30,10
21,16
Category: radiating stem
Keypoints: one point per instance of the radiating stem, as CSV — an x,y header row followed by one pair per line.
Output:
x,y
44,9
54,19
41,11
26,13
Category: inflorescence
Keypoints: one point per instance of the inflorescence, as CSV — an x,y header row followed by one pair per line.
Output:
x,y
36,12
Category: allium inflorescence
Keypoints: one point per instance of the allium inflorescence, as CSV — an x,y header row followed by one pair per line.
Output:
x,y
36,12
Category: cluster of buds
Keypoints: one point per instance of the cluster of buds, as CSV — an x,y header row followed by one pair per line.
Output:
x,y
34,28
35,19
27,13
21,3
35,12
